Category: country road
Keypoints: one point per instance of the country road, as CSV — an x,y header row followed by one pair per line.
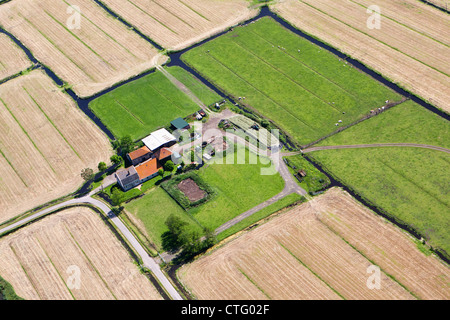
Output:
x,y
148,261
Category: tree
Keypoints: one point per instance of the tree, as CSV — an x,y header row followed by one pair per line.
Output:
x,y
169,166
116,159
102,166
172,239
87,174
126,144
265,123
161,172
116,196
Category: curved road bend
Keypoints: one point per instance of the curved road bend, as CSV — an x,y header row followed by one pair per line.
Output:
x,y
148,261
377,145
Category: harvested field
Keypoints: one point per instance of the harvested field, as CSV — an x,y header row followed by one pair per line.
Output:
x,y
177,24
93,57
191,190
444,4
412,38
45,142
12,58
319,250
38,261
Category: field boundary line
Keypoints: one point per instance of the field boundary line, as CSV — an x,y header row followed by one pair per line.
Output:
x,y
107,34
261,92
49,120
89,260
28,136
403,25
54,267
76,37
165,9
370,260
376,145
131,113
24,270
315,274
12,167
194,10
146,13
167,98
372,37
306,65
253,282
57,47
287,76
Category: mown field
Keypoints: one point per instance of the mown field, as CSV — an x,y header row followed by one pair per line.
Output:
x,y
42,261
12,58
142,106
301,87
405,123
45,142
410,184
237,187
320,250
177,24
91,57
410,48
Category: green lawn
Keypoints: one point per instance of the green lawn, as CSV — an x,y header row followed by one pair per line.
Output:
x,y
238,188
305,92
314,181
405,123
408,183
142,106
153,210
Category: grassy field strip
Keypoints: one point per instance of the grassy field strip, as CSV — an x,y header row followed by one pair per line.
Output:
x,y
310,68
81,41
173,14
57,47
28,136
51,122
54,267
198,13
378,40
25,271
153,18
299,261
14,169
89,260
254,283
262,93
101,30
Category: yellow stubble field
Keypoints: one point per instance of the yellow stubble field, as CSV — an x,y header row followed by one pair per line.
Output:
x,y
12,58
45,142
323,249
71,255
79,41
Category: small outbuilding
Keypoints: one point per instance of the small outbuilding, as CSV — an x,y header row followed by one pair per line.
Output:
x,y
179,124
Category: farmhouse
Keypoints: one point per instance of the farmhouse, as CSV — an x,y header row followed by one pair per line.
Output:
x,y
139,155
127,178
148,170
159,139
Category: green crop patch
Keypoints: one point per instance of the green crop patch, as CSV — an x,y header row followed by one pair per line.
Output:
x,y
300,86
142,106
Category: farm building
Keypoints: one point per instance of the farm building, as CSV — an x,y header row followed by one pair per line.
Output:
x,y
139,155
159,139
179,124
163,154
128,178
148,170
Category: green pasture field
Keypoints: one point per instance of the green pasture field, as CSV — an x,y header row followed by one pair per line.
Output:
x,y
153,210
142,106
314,181
301,87
405,123
409,184
237,188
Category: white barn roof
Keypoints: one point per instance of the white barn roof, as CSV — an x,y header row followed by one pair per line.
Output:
x,y
158,138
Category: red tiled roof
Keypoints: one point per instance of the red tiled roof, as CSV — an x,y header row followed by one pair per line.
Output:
x,y
139,153
163,153
148,168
